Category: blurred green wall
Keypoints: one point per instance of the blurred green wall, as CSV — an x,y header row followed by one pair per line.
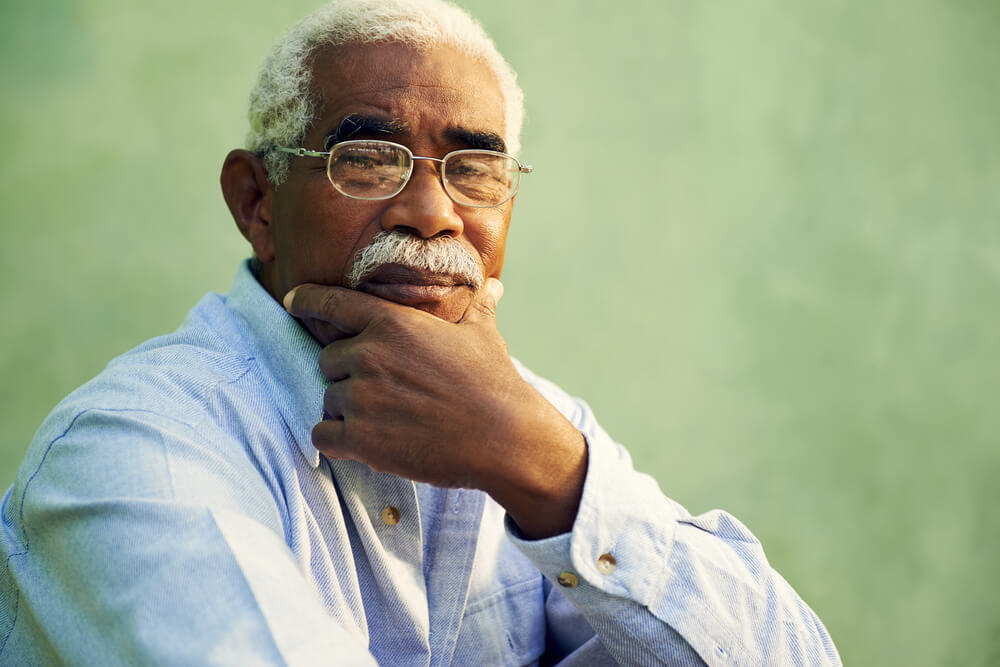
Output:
x,y
761,239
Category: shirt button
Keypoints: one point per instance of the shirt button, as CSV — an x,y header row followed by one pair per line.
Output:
x,y
568,580
606,564
390,516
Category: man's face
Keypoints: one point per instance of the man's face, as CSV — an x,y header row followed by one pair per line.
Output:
x,y
432,102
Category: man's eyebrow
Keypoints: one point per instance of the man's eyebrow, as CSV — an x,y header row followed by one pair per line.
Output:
x,y
486,140
360,126
356,125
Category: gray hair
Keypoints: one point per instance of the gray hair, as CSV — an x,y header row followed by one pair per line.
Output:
x,y
282,106
440,254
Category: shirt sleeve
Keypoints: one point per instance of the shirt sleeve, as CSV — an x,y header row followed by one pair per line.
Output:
x,y
137,544
658,585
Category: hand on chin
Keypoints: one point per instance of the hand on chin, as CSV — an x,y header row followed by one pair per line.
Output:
x,y
446,302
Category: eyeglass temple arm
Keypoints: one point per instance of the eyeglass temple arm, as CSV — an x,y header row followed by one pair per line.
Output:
x,y
302,152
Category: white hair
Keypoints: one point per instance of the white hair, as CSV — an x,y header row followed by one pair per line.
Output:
x,y
441,254
281,103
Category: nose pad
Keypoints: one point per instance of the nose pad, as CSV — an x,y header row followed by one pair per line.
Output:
x,y
423,207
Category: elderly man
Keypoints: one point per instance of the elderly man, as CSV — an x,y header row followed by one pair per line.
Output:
x,y
364,474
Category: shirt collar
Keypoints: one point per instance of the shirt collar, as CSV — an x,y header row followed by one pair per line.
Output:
x,y
287,353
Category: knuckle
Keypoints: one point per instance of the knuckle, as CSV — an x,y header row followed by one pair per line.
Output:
x,y
368,400
393,321
324,331
368,358
329,301
327,357
329,362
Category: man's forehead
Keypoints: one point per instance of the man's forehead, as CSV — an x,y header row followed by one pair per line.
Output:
x,y
384,88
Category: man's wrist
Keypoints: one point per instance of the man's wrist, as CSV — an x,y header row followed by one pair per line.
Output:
x,y
541,484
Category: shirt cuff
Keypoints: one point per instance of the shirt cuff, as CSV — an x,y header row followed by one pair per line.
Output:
x,y
622,536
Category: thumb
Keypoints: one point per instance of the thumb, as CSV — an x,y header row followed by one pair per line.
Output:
x,y
484,306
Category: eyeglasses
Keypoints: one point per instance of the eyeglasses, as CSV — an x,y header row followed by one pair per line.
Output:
x,y
381,169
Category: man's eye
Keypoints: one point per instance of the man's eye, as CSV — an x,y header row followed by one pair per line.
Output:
x,y
476,169
359,161
468,170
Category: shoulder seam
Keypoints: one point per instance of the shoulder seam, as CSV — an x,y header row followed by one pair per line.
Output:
x,y
22,527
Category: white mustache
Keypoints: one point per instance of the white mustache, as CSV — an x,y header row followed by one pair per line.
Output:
x,y
441,254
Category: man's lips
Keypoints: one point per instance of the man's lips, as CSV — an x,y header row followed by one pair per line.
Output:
x,y
409,286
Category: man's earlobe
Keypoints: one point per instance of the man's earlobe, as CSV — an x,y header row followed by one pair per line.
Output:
x,y
249,195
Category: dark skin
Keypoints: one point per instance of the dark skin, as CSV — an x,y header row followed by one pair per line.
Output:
x,y
420,387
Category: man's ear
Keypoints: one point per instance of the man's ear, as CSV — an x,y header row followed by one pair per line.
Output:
x,y
249,196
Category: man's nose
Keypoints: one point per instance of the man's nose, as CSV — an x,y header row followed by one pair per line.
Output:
x,y
423,207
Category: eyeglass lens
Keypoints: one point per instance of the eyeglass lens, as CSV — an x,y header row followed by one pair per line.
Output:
x,y
379,170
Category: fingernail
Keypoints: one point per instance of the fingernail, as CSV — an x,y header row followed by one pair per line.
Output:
x,y
287,301
496,288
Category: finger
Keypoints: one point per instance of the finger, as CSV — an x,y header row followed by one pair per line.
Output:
x,y
484,306
495,289
336,400
330,438
324,332
335,360
349,310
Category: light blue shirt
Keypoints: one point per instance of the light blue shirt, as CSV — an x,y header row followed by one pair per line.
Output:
x,y
174,511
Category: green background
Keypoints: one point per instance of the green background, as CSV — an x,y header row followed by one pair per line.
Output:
x,y
761,240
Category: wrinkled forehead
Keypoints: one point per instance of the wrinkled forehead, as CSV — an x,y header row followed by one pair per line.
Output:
x,y
406,83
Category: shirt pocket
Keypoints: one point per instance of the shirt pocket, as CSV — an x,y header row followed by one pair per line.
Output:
x,y
506,627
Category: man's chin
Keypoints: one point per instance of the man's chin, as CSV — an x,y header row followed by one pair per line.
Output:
x,y
447,302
